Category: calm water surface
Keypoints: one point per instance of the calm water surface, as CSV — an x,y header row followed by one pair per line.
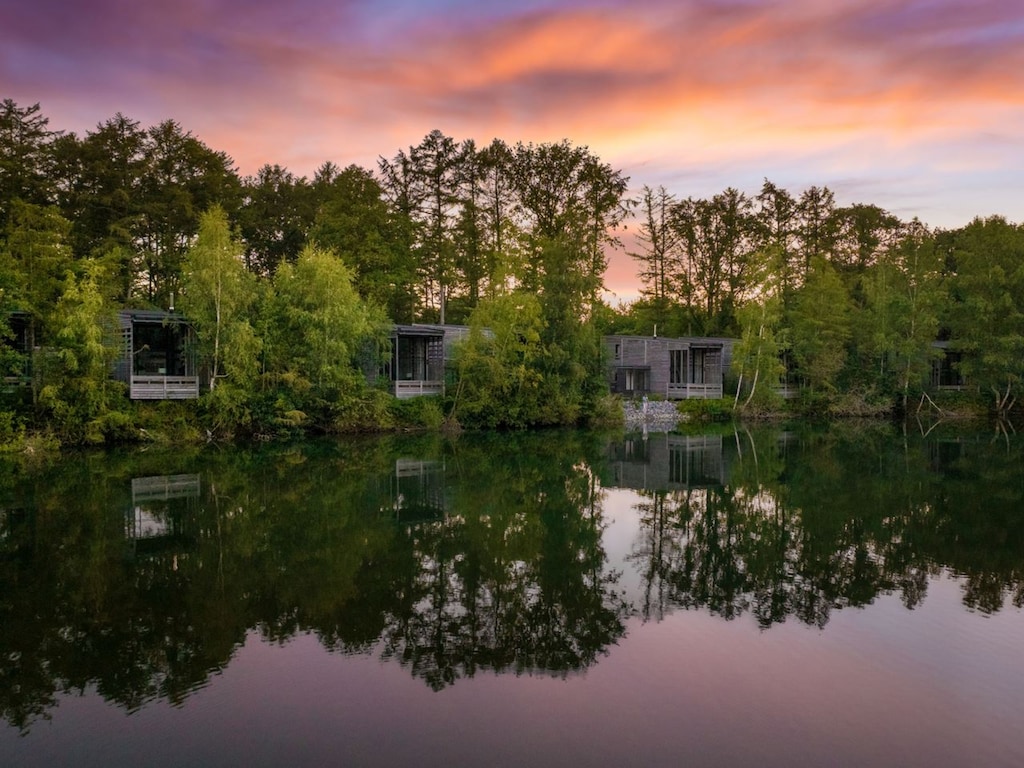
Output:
x,y
749,598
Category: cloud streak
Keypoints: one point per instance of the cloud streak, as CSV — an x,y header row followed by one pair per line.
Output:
x,y
921,96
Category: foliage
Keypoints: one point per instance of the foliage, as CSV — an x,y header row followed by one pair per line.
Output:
x,y
706,409
77,394
217,298
987,319
290,281
819,322
497,365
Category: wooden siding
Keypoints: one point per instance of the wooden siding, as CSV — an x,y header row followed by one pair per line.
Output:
x,y
697,368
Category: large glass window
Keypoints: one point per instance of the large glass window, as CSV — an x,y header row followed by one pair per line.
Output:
x,y
159,350
412,358
676,366
697,365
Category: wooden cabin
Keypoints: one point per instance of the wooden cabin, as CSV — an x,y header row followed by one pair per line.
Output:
x,y
420,355
945,372
16,350
157,361
673,368
416,366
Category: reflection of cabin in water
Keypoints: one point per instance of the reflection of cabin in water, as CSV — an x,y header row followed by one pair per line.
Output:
x,y
161,507
666,462
418,491
157,361
419,356
674,368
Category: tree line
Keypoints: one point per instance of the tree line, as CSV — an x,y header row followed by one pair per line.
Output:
x,y
290,281
839,299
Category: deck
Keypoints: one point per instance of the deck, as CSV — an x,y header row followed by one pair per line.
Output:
x,y
164,388
694,391
416,388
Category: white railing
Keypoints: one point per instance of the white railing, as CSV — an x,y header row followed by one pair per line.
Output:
x,y
164,387
417,387
687,391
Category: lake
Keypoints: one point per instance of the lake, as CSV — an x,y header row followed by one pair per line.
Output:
x,y
744,597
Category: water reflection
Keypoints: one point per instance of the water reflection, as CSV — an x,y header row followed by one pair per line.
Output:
x,y
802,525
140,574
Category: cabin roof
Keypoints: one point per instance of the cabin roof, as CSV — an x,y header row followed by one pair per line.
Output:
x,y
425,329
130,316
434,331
706,341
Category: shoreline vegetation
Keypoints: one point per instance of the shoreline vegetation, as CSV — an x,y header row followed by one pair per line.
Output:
x,y
291,286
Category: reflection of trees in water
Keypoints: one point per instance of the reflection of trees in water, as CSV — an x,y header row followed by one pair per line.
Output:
x,y
520,587
493,562
826,521
510,577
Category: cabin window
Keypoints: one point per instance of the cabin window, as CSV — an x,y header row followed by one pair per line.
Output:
x,y
618,351
159,350
412,358
636,380
697,359
945,371
676,366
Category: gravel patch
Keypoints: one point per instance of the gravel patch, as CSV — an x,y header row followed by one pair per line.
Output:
x,y
655,415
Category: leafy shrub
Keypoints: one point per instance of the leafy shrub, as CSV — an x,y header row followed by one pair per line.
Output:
x,y
714,409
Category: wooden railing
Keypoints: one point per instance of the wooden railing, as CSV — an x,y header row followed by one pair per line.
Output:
x,y
164,387
688,391
417,387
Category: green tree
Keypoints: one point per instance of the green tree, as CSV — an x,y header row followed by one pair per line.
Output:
x,y
567,195
78,393
217,297
405,197
355,222
320,324
658,243
183,178
757,355
276,215
987,321
501,221
498,381
905,292
435,160
815,232
38,260
819,323
777,225
25,158
102,196
717,244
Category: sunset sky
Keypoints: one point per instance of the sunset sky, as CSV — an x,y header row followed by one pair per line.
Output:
x,y
913,105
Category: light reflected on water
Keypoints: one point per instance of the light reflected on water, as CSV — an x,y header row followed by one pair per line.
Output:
x,y
760,598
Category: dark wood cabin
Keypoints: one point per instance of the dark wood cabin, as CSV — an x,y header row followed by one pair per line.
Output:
x,y
16,350
416,366
673,368
157,361
945,372
420,355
